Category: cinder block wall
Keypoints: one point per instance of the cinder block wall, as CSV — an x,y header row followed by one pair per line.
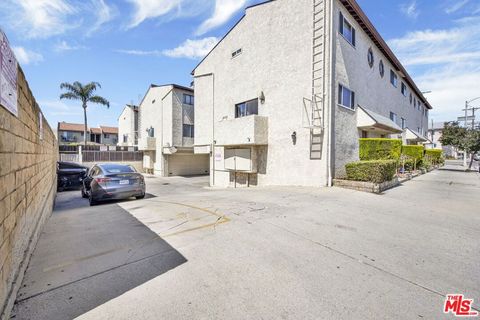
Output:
x,y
27,188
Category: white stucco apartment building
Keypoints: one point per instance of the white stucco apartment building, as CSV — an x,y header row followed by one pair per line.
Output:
x,y
128,126
284,97
166,132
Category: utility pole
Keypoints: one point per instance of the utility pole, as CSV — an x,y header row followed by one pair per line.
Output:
x,y
466,123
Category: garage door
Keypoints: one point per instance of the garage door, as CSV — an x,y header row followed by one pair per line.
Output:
x,y
188,164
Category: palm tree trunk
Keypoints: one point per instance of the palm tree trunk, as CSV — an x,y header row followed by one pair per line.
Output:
x,y
85,122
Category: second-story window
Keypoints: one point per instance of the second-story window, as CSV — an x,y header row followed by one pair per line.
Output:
x,y
188,131
346,30
393,79
346,97
404,123
393,117
381,68
188,99
246,108
370,58
404,89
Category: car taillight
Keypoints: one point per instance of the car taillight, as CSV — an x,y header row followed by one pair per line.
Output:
x,y
102,180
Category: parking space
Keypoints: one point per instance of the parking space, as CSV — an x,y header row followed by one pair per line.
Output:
x,y
274,252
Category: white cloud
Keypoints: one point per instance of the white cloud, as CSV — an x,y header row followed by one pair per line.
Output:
x,y
148,9
455,6
103,14
447,62
140,52
63,46
410,9
192,49
224,10
25,56
38,18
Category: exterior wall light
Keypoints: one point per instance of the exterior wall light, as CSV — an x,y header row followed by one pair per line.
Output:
x,y
294,137
262,97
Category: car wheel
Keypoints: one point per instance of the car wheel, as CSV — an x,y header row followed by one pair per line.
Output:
x,y
140,197
91,201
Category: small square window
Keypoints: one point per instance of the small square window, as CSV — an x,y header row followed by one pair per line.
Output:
x,y
346,97
236,53
393,117
404,89
188,99
393,78
246,108
346,30
188,131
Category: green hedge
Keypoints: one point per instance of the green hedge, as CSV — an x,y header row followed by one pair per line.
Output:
x,y
414,152
434,154
376,171
380,149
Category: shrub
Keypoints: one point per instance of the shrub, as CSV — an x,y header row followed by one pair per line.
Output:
x,y
380,149
434,154
376,171
414,152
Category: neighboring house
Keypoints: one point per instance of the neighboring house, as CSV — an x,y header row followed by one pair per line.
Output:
x,y
73,133
284,97
435,134
128,126
70,133
109,135
166,131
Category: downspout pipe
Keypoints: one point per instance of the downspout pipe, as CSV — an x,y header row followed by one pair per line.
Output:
x,y
331,112
211,74
161,139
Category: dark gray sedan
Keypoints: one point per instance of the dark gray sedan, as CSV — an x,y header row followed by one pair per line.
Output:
x,y
112,181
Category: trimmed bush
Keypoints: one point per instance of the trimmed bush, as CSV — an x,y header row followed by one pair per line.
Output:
x,y
434,154
376,171
414,152
380,149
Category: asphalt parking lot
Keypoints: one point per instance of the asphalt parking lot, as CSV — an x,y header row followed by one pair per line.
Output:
x,y
189,251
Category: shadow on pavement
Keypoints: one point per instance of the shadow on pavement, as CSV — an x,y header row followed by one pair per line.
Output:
x,y
87,256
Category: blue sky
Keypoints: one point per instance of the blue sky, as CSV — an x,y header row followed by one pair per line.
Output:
x,y
128,44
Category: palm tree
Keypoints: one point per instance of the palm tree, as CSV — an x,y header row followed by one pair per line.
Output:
x,y
84,93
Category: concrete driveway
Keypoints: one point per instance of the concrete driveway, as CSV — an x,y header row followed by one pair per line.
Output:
x,y
290,253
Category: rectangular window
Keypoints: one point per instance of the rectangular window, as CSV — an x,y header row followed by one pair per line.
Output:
x,y
393,78
106,136
404,89
125,138
236,53
246,108
364,134
188,131
346,97
188,99
418,129
393,117
346,30
404,123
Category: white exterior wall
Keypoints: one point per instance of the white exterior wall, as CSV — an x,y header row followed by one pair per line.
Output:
x,y
276,58
163,109
126,126
371,91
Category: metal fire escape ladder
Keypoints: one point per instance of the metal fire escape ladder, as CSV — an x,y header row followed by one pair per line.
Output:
x,y
314,107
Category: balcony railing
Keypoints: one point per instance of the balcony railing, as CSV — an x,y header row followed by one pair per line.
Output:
x,y
249,130
147,143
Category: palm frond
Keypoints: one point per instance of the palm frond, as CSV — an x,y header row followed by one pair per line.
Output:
x,y
73,88
70,96
99,100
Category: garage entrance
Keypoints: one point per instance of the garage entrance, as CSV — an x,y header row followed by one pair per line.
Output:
x,y
188,164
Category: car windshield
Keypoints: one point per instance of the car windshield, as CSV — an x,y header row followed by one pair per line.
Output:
x,y
117,168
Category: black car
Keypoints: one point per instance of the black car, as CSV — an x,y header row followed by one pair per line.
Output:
x,y
70,175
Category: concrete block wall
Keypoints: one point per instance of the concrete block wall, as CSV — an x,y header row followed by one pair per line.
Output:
x,y
27,188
